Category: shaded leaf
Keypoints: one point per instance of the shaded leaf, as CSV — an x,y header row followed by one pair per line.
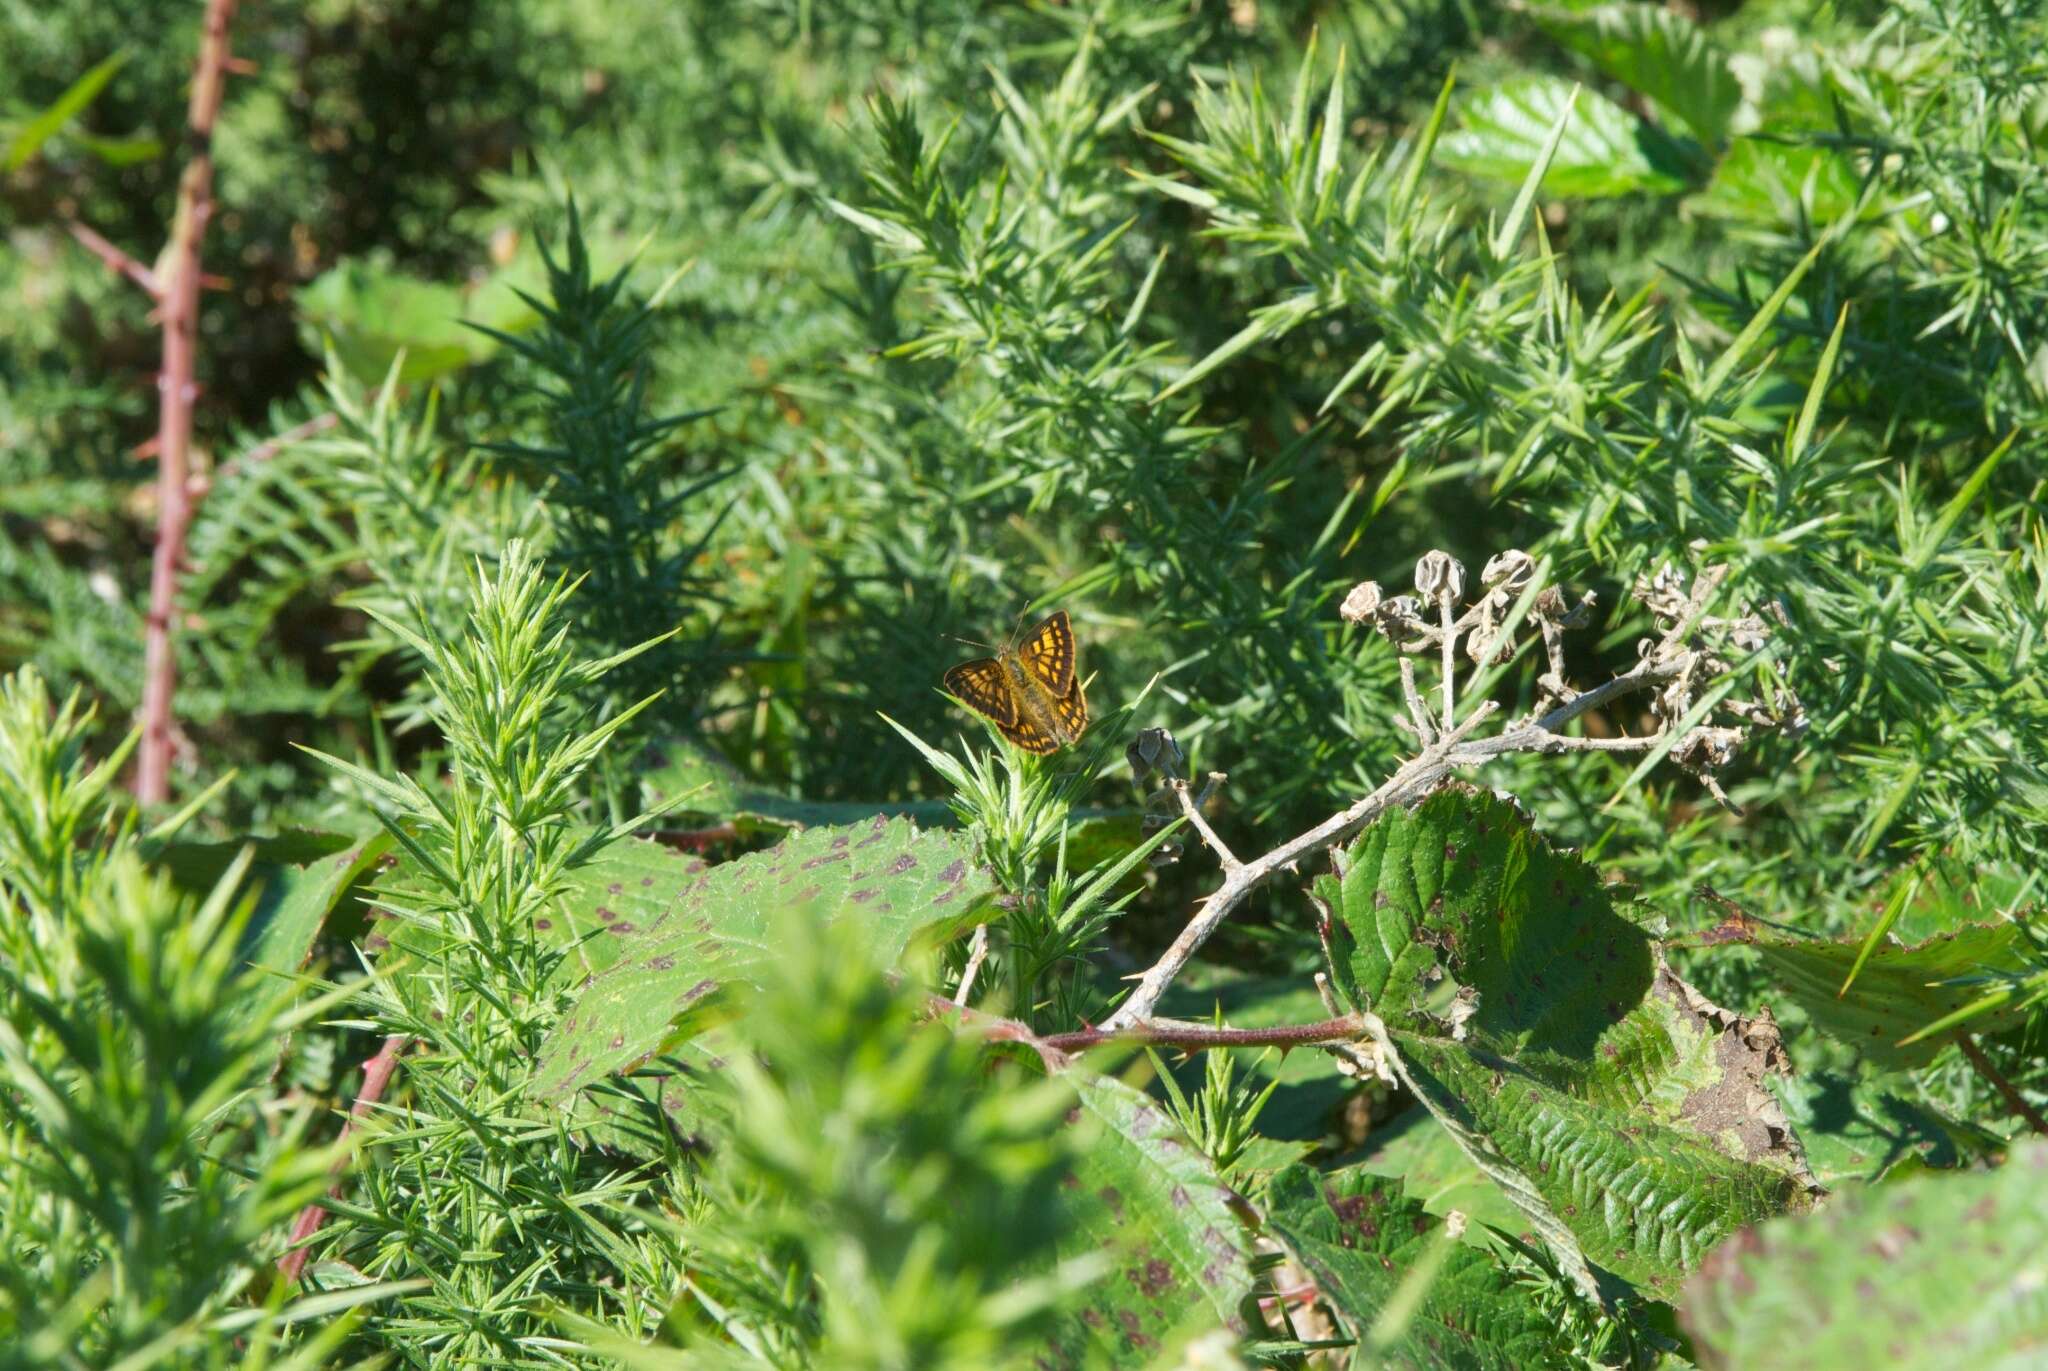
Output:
x,y
686,1104
370,312
1927,1274
1605,150
1901,988
1358,1235
1623,1113
298,878
1433,1169
1656,53
1856,1131
668,972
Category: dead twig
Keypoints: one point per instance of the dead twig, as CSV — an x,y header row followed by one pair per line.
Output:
x,y
1672,670
976,955
1191,805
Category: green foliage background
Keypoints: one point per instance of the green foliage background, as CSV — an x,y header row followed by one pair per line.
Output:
x,y
818,338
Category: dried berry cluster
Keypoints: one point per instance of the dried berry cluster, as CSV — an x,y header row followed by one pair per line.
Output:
x,y
1694,653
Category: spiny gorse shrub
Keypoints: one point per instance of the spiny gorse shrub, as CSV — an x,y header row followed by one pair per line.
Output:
x,y
876,327
144,1176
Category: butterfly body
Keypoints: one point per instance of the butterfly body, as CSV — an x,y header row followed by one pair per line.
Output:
x,y
1031,692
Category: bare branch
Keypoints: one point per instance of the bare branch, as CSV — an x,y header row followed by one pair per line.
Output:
x,y
1413,779
1671,668
1192,807
1057,1050
1198,1037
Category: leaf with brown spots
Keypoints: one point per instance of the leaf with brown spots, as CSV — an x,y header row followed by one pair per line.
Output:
x,y
1359,1236
625,886
1924,1274
1901,988
1151,1205
711,928
1421,1153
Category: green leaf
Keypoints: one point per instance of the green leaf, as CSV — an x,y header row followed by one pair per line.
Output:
x,y
1605,151
668,971
120,152
1150,1206
62,111
1900,989
1624,1114
1358,1235
1759,181
371,313
1927,1274
694,780
298,876
1656,53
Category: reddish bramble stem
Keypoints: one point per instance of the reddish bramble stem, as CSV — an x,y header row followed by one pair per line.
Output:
x,y
377,1073
177,294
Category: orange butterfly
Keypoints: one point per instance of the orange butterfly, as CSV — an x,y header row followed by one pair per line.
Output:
x,y
1030,692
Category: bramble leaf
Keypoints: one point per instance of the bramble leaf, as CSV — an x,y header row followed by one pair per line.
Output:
x,y
1855,1131
1605,150
1150,1204
712,927
1655,53
696,780
1358,1235
1433,1169
1625,1115
1900,989
1922,1275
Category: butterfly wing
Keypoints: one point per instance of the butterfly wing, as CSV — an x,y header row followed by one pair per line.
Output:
x,y
1027,734
982,687
1048,653
1071,710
